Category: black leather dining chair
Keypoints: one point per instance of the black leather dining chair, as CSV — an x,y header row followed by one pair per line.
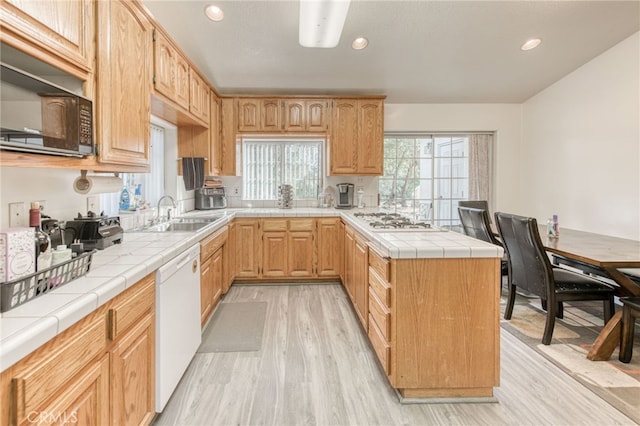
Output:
x,y
476,204
475,223
530,269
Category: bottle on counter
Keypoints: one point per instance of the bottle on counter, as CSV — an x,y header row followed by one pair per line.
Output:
x,y
42,240
556,226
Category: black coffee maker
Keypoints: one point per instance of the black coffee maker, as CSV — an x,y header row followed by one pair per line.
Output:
x,y
345,196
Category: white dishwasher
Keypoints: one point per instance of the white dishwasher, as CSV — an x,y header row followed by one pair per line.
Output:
x,y
178,333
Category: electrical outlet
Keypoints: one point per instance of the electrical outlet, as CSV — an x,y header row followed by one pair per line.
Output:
x,y
93,204
17,215
236,191
43,206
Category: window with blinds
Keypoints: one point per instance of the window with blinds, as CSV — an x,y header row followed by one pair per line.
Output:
x,y
268,163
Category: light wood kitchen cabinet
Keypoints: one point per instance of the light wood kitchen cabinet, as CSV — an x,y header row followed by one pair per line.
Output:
x,y
248,244
423,331
349,249
171,71
330,249
198,96
301,248
305,115
215,137
133,374
287,248
227,138
229,257
259,115
356,145
124,38
360,279
100,370
355,279
60,33
212,272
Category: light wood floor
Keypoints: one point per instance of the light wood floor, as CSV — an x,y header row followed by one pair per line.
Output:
x,y
316,368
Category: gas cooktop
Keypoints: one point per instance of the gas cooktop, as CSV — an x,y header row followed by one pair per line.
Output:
x,y
395,222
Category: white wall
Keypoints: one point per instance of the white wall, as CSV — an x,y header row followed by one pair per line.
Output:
x,y
580,153
504,119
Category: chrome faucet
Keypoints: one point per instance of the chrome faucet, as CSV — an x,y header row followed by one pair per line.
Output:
x,y
173,204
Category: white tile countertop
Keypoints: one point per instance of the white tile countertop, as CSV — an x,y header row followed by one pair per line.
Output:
x,y
26,327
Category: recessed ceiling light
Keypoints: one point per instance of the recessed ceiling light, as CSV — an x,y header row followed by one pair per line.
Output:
x,y
214,13
360,43
531,44
321,22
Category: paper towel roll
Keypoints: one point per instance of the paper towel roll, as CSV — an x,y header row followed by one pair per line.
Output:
x,y
97,184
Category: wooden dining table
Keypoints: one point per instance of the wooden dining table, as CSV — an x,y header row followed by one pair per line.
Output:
x,y
599,253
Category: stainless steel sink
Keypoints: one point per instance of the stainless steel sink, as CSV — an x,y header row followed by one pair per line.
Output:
x,y
176,227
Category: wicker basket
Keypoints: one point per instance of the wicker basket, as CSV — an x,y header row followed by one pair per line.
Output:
x,y
15,293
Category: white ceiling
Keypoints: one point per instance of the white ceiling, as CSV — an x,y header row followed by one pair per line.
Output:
x,y
419,51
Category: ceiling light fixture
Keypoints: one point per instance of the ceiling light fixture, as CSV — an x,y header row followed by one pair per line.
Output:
x,y
214,13
321,22
531,44
360,43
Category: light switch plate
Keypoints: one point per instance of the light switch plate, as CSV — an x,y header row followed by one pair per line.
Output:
x,y
93,204
17,215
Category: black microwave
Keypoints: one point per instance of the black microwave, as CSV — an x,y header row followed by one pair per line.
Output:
x,y
40,117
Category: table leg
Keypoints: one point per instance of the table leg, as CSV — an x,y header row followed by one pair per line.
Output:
x,y
608,340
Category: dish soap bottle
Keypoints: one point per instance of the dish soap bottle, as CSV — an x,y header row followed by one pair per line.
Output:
x,y
125,199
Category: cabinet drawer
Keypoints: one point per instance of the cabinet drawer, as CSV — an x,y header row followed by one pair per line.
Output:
x,y
379,264
301,224
380,314
62,361
380,287
129,309
213,242
380,345
274,225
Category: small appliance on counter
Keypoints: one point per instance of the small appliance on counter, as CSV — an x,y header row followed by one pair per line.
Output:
x,y
345,196
210,198
94,231
285,196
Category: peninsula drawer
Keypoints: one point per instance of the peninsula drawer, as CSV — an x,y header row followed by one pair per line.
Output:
x,y
301,224
127,310
379,264
269,225
380,315
62,358
209,245
380,345
381,288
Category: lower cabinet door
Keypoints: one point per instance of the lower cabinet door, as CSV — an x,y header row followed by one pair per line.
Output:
x,y
206,290
300,249
84,401
132,375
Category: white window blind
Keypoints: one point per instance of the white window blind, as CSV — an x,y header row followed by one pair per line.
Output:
x,y
269,163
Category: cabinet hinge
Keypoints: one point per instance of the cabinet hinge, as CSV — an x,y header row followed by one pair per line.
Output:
x,y
153,80
153,35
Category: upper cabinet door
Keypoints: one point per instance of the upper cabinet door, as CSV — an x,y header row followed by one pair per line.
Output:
x,y
165,61
316,115
58,32
182,82
123,83
248,115
294,116
371,136
344,137
270,113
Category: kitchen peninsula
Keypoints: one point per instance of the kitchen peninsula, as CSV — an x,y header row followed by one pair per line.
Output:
x,y
429,303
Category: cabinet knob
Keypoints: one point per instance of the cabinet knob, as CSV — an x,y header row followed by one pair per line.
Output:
x,y
194,266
